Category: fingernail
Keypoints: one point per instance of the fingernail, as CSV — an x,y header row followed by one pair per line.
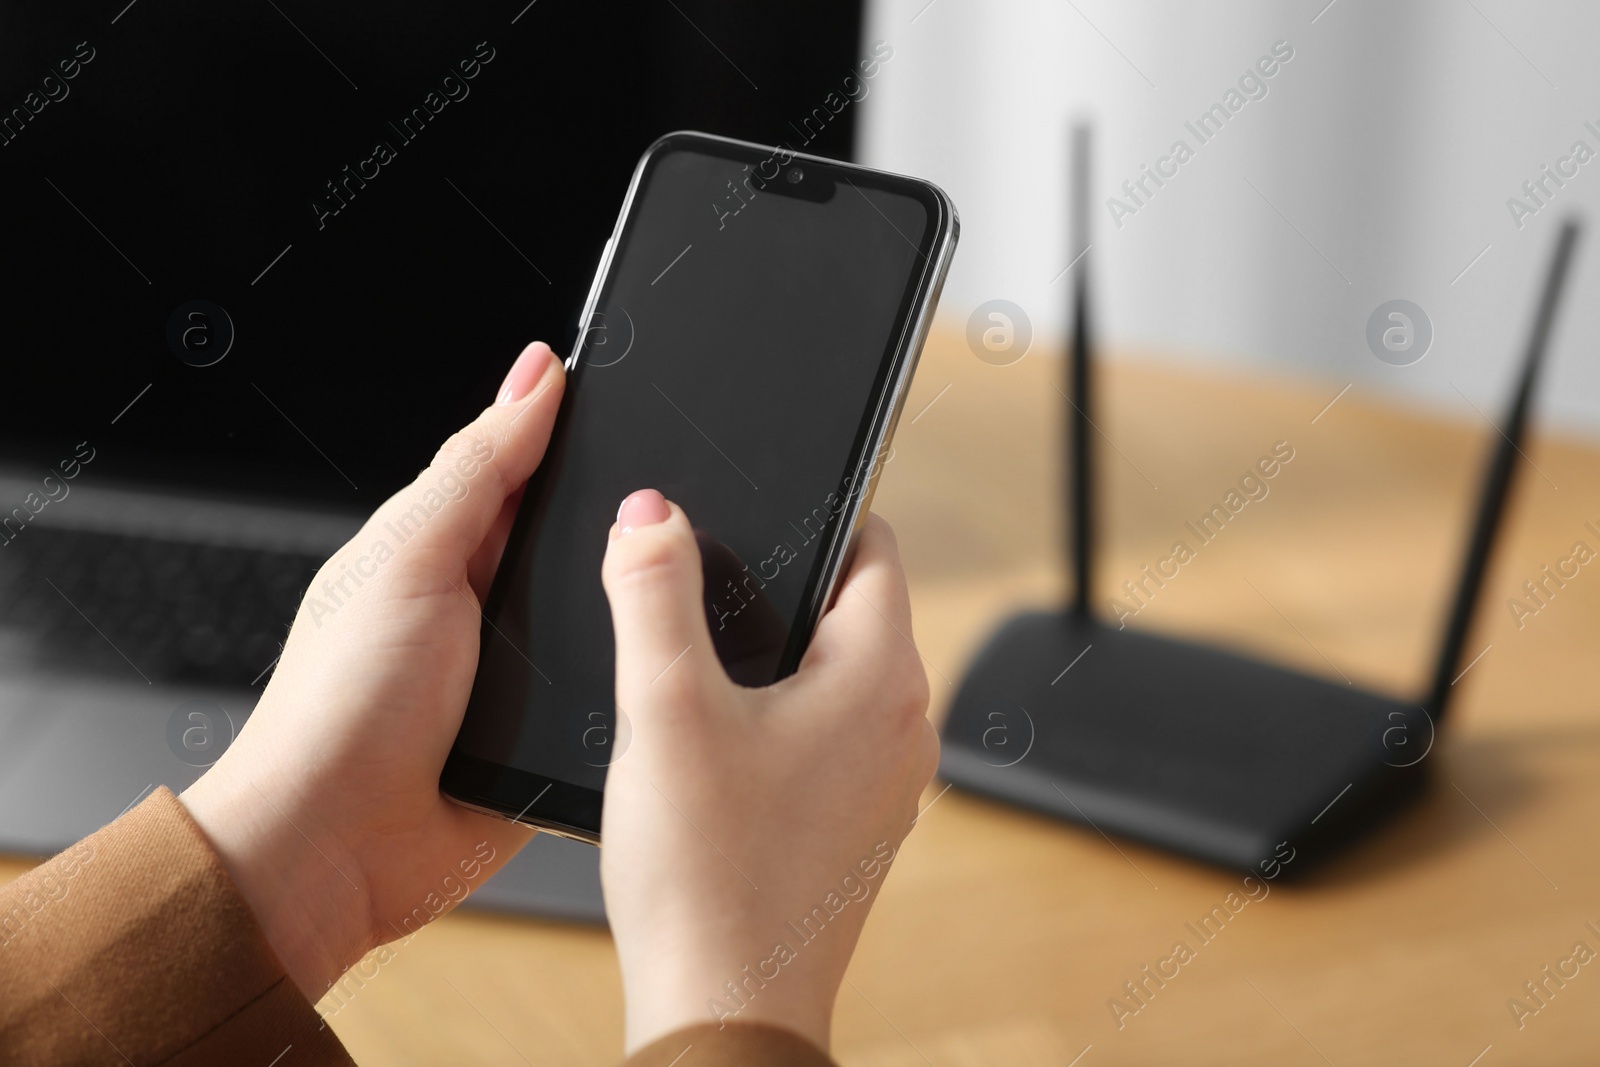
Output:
x,y
646,507
525,373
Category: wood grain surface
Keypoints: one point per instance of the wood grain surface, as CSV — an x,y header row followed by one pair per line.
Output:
x,y
1002,936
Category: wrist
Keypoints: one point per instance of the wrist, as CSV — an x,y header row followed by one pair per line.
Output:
x,y
307,902
668,999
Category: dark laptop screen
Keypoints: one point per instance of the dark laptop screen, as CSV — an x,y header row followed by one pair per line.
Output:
x,y
364,212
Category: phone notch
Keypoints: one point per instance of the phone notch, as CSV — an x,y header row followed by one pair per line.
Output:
x,y
803,180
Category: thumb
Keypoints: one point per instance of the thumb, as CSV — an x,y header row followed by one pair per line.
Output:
x,y
453,504
653,580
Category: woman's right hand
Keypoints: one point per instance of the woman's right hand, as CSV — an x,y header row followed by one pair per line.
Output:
x,y
748,831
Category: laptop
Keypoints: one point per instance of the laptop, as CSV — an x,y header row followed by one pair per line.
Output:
x,y
258,263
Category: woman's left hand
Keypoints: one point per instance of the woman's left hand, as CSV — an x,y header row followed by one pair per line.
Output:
x,y
326,810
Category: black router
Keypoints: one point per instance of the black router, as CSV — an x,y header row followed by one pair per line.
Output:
x,y
1202,751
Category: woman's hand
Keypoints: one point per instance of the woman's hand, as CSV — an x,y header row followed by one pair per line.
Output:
x,y
326,810
748,831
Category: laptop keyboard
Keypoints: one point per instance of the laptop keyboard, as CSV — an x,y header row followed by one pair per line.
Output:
x,y
166,610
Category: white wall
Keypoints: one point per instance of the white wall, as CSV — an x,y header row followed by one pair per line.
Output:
x,y
1392,141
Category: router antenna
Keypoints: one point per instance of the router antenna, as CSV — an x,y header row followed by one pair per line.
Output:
x,y
1497,482
1078,463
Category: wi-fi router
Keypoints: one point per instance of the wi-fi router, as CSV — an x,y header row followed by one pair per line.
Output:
x,y
1199,750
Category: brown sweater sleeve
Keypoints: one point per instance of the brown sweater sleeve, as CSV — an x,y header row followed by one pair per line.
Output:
x,y
134,946
734,1045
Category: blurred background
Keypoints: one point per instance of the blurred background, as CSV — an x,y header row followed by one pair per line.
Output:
x,y
1376,164
1393,153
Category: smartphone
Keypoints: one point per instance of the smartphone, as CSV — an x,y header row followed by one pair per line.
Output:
x,y
745,348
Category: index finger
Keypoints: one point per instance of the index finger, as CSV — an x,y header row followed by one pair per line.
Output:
x,y
872,607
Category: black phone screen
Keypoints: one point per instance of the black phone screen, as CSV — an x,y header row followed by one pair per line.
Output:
x,y
735,361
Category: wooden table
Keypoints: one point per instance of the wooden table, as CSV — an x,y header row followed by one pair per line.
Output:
x,y
1002,935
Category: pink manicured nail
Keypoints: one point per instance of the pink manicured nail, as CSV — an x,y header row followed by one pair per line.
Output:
x,y
525,372
646,507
